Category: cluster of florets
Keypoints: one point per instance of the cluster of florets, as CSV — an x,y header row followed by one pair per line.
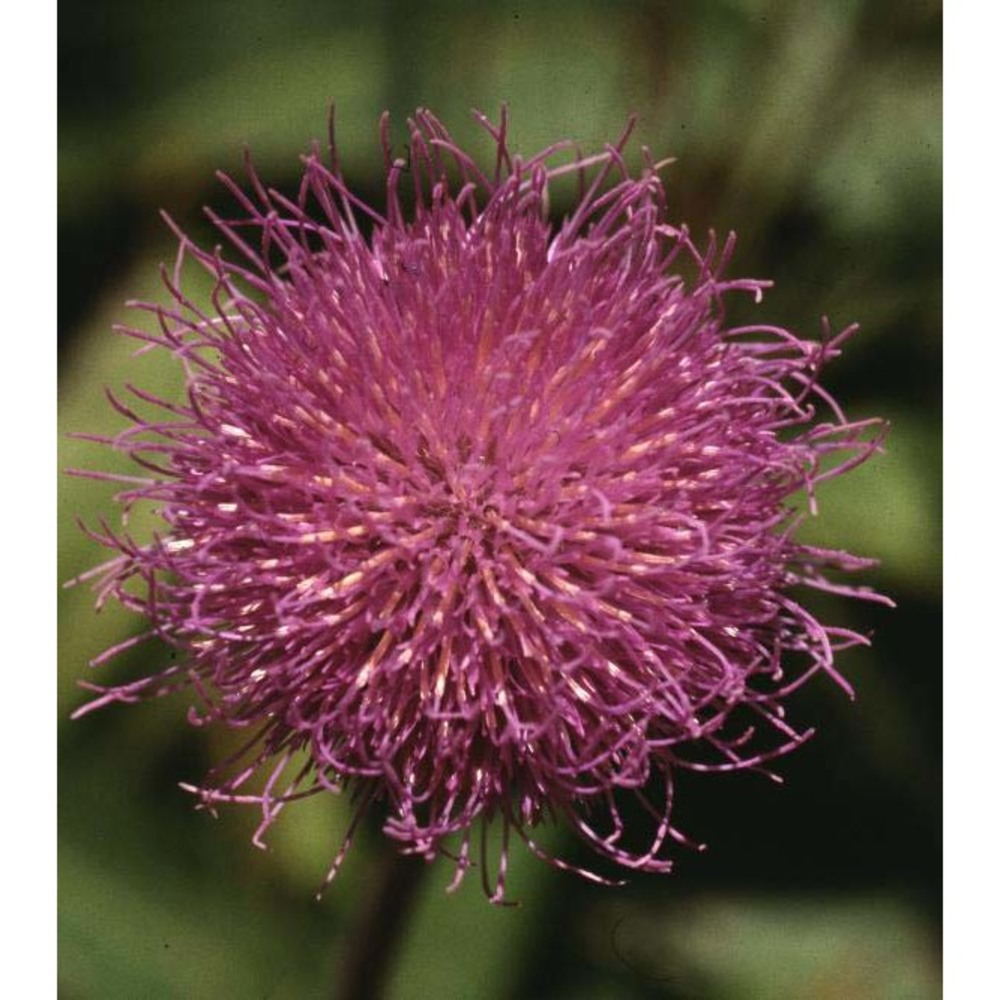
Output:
x,y
486,517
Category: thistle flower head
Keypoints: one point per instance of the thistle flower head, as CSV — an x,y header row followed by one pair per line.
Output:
x,y
485,516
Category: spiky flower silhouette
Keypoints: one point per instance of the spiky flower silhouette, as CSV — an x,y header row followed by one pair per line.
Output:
x,y
486,517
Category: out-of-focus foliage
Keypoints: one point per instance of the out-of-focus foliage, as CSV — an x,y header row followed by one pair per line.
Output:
x,y
813,129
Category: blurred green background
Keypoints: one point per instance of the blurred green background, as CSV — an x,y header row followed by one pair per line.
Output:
x,y
811,128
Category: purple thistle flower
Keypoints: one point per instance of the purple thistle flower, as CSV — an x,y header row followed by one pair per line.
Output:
x,y
487,518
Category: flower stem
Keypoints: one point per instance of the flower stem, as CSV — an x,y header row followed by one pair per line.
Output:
x,y
375,940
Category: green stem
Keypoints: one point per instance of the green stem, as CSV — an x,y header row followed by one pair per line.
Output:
x,y
375,940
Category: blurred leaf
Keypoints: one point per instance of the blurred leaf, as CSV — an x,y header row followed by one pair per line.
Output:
x,y
447,929
151,932
883,169
580,76
890,507
274,100
806,51
865,948
102,358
